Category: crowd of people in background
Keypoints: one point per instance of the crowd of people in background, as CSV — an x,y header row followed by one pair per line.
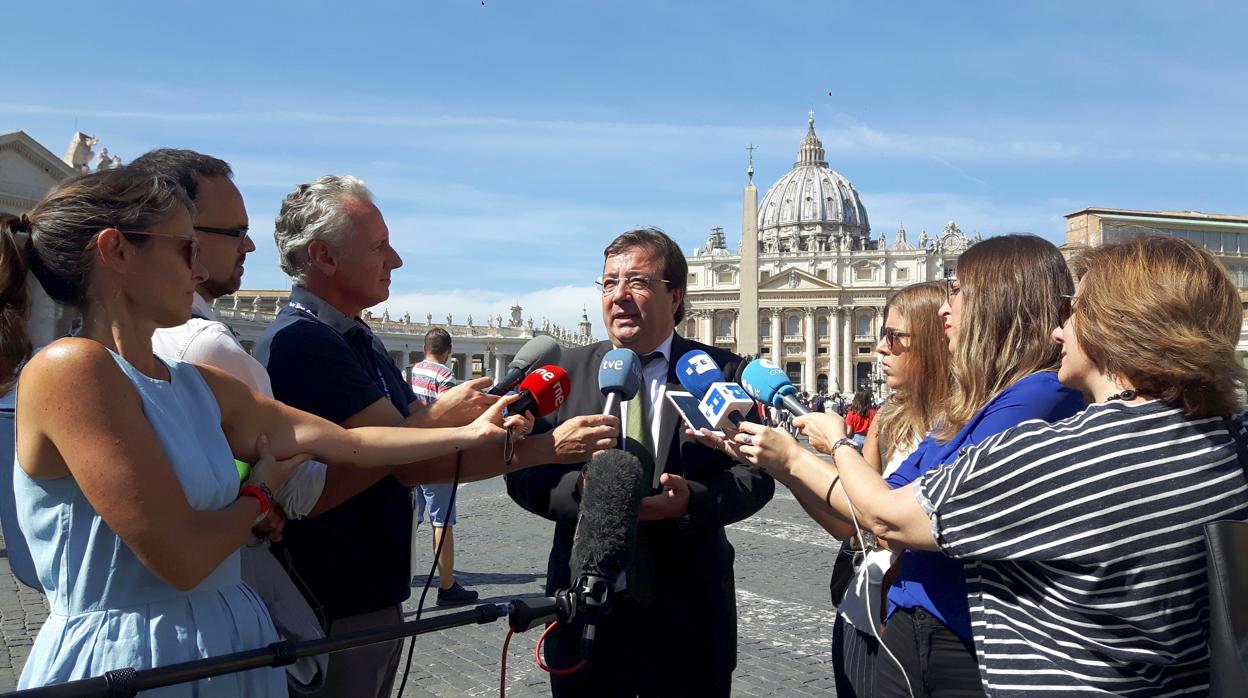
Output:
x,y
1022,515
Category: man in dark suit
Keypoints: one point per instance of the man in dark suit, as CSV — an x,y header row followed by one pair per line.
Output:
x,y
672,631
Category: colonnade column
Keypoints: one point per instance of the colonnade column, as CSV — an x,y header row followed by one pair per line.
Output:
x,y
777,337
834,352
808,376
847,356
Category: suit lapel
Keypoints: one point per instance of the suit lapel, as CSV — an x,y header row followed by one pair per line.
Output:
x,y
669,421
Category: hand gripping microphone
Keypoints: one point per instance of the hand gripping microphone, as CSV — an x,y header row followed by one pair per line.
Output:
x,y
619,377
539,350
542,391
606,534
766,381
722,402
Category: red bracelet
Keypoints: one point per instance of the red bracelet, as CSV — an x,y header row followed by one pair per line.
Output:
x,y
260,495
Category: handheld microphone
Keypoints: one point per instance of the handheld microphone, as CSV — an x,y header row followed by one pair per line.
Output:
x,y
606,533
539,350
722,402
542,391
619,377
765,381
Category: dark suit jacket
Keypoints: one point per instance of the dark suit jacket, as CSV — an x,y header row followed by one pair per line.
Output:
x,y
693,558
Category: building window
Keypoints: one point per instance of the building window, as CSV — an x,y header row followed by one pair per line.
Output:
x,y
724,328
793,325
903,275
764,350
693,278
822,326
864,350
863,326
724,277
691,328
765,275
823,350
864,273
822,274
764,327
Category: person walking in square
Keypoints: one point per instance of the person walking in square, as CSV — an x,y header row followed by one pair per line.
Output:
x,y
430,378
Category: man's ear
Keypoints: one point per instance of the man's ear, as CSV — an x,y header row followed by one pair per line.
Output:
x,y
678,299
322,257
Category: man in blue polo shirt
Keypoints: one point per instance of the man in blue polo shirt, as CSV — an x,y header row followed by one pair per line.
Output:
x,y
355,558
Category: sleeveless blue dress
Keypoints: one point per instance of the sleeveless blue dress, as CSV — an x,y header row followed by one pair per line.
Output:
x,y
108,611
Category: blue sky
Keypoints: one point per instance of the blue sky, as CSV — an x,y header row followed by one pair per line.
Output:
x,y
508,142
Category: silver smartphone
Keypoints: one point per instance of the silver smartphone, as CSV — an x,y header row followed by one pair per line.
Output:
x,y
687,407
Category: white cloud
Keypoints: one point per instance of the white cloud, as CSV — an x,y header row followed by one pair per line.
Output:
x,y
990,139
562,305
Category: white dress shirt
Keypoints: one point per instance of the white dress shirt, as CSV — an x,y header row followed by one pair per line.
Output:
x,y
208,341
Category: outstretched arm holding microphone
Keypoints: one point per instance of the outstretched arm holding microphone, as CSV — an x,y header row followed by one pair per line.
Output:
x,y
891,514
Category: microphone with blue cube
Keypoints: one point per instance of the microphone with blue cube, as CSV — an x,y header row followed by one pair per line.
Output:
x,y
721,401
766,382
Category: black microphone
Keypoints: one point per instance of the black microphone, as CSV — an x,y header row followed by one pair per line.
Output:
x,y
606,534
535,352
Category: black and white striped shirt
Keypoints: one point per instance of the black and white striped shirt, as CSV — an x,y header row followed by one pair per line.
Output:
x,y
1084,552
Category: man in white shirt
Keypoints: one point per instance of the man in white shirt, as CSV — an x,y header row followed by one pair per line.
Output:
x,y
220,221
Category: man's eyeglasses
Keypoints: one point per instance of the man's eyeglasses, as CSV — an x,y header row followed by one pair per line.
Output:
x,y
1065,310
952,288
192,252
891,335
230,232
637,283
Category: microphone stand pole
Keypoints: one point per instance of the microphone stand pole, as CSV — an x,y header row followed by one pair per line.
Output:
x,y
125,683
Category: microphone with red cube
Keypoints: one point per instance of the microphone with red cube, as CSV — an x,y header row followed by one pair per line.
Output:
x,y
542,391
722,402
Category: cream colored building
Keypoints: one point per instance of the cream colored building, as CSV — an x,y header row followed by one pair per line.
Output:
x,y
478,349
1224,235
808,283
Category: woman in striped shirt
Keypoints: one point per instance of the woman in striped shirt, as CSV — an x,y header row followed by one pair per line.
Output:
x,y
1083,540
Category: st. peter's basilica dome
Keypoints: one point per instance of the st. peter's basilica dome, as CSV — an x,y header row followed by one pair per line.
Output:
x,y
812,207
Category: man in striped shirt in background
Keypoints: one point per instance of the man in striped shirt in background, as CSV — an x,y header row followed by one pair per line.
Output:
x,y
430,378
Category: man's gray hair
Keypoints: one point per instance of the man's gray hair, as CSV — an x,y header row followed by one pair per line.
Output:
x,y
313,212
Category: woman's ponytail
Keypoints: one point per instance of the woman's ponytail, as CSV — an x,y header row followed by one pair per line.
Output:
x,y
15,344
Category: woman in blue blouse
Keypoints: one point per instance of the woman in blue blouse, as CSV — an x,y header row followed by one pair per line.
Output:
x,y
1000,310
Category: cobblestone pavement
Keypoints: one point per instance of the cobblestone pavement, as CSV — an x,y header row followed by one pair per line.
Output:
x,y
784,617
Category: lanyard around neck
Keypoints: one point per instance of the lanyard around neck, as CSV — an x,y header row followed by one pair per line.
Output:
x,y
381,379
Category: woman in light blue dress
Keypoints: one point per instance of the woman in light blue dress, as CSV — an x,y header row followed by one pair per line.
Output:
x,y
124,476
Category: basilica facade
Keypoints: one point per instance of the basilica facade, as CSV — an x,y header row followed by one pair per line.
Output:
x,y
807,285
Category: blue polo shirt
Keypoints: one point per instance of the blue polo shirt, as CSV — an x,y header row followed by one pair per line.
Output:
x,y
354,558
931,580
